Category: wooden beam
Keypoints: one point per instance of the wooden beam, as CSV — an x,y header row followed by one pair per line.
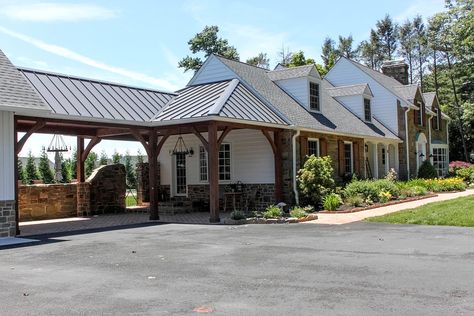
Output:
x,y
108,132
80,172
213,167
204,142
161,143
223,135
141,139
38,125
153,174
94,141
270,140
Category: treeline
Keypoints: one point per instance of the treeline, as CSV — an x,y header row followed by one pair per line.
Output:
x,y
439,54
30,172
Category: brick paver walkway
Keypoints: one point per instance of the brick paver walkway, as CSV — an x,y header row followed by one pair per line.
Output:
x,y
337,219
107,221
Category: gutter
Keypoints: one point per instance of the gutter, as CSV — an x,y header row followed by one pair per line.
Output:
x,y
406,143
295,189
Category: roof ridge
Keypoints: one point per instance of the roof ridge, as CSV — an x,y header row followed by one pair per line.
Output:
x,y
220,102
57,74
291,68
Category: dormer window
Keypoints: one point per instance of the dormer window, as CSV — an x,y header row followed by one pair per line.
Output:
x,y
314,96
367,110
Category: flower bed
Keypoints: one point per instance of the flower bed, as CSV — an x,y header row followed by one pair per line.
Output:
x,y
272,215
262,220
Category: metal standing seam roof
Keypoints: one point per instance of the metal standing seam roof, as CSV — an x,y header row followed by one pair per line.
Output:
x,y
230,99
357,89
15,92
74,96
334,117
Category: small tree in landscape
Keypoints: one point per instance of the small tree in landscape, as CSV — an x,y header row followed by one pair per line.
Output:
x,y
129,171
90,163
66,171
315,179
20,171
139,156
427,171
103,160
44,169
116,158
31,170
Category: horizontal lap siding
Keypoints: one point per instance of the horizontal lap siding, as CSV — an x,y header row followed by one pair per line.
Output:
x,y
297,88
383,103
7,164
251,154
354,103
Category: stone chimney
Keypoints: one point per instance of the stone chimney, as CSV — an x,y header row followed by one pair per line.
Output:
x,y
396,69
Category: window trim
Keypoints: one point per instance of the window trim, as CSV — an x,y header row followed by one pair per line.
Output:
x,y
370,109
318,144
207,165
318,110
231,173
445,148
206,160
352,156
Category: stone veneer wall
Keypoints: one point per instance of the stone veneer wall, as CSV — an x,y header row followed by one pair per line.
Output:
x,y
7,219
46,201
107,189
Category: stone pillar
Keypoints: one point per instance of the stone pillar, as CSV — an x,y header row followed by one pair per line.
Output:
x,y
7,219
83,199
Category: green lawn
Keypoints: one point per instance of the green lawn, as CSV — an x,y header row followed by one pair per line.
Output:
x,y
130,201
457,212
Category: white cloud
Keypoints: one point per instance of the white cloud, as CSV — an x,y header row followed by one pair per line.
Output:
x,y
425,8
71,55
57,12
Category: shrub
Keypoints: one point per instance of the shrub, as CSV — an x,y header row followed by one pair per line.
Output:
x,y
467,174
427,171
237,215
332,201
272,211
385,196
407,190
355,200
391,175
370,189
298,212
315,179
439,185
456,165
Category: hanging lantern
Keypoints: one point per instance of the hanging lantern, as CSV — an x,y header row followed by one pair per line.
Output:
x,y
57,144
181,148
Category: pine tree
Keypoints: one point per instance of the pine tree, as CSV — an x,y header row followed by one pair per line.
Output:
x,y
370,51
129,171
103,160
420,46
261,60
345,47
21,171
44,169
387,32
90,163
407,44
66,171
139,156
328,53
31,170
116,158
73,164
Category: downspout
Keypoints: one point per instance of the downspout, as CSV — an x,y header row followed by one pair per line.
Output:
x,y
406,143
295,189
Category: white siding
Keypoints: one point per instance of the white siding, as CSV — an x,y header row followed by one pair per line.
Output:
x,y
251,158
355,103
384,103
7,162
298,88
213,70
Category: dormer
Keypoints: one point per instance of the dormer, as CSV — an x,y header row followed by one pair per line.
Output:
x,y
302,83
357,98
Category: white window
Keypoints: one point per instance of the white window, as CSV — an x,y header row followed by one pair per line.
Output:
x,y
348,161
440,160
313,147
314,96
224,163
202,164
367,110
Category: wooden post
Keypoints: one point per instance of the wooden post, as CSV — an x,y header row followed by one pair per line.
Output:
x,y
80,172
213,165
153,173
17,210
278,167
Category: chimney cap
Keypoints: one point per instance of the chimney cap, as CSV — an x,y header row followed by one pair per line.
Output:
x,y
394,63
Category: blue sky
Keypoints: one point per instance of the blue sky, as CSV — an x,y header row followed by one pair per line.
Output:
x,y
140,42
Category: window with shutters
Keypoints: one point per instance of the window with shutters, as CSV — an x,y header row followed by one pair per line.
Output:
x,y
348,161
313,147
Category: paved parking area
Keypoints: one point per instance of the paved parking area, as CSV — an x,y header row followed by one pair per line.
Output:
x,y
304,269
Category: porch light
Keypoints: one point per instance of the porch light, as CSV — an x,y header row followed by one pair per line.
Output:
x,y
57,144
181,148
422,155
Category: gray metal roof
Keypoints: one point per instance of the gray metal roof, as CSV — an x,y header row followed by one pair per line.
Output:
x,y
15,93
334,117
73,96
356,89
229,99
292,72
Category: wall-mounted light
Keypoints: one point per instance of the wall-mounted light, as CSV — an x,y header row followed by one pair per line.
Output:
x,y
422,155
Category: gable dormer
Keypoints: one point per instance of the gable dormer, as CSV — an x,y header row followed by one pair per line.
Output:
x,y
302,83
357,98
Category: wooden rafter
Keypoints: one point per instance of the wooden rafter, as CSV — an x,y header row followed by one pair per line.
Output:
x,y
203,140
270,140
223,135
141,139
162,142
38,125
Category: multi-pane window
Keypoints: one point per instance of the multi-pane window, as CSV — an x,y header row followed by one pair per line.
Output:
x,y
367,110
348,158
313,147
440,160
202,164
383,156
181,173
224,162
314,96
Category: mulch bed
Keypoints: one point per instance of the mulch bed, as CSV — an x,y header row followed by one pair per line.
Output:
x,y
377,205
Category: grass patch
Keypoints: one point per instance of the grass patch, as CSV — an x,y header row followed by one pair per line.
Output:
x,y
130,201
456,212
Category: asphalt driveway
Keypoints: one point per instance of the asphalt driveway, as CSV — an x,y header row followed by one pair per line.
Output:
x,y
298,269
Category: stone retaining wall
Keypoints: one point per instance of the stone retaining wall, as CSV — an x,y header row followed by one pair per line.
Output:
x,y
7,219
